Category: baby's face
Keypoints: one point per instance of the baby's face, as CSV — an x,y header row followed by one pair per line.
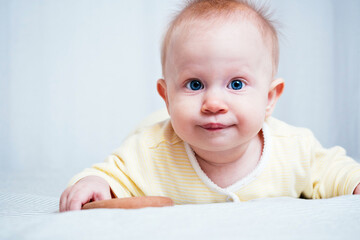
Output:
x,y
217,85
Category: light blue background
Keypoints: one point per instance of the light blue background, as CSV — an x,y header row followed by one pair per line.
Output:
x,y
76,76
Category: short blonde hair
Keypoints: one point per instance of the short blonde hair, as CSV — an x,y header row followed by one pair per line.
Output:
x,y
224,9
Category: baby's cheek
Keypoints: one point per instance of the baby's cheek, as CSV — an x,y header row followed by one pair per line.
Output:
x,y
251,118
179,116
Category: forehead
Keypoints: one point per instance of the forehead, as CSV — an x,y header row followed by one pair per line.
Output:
x,y
230,40
231,32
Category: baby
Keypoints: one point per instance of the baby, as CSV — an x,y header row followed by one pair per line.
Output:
x,y
219,61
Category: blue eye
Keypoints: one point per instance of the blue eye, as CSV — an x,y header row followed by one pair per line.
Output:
x,y
236,84
195,85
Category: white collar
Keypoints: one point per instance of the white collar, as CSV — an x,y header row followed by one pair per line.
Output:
x,y
229,191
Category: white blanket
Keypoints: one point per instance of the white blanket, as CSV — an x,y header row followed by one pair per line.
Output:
x,y
30,216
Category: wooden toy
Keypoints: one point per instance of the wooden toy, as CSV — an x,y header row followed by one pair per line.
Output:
x,y
131,202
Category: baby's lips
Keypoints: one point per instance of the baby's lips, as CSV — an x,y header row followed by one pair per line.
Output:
x,y
214,126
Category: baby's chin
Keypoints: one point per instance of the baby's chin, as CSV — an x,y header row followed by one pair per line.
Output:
x,y
212,147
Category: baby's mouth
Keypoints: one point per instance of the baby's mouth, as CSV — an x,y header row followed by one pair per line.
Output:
x,y
214,126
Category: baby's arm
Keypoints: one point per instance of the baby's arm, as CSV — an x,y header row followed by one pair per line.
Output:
x,y
333,173
90,188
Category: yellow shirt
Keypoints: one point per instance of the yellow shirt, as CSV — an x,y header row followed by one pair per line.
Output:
x,y
154,161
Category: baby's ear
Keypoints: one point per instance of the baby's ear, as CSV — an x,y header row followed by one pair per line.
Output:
x,y
275,91
161,88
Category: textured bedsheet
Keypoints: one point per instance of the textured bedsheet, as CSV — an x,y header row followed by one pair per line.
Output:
x,y
29,216
29,205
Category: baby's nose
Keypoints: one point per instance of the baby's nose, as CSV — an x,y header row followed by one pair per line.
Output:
x,y
214,104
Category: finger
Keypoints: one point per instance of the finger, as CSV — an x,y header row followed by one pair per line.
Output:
x,y
75,204
76,200
103,195
63,198
72,194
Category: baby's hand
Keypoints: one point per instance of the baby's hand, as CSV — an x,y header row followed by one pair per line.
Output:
x,y
91,188
357,189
